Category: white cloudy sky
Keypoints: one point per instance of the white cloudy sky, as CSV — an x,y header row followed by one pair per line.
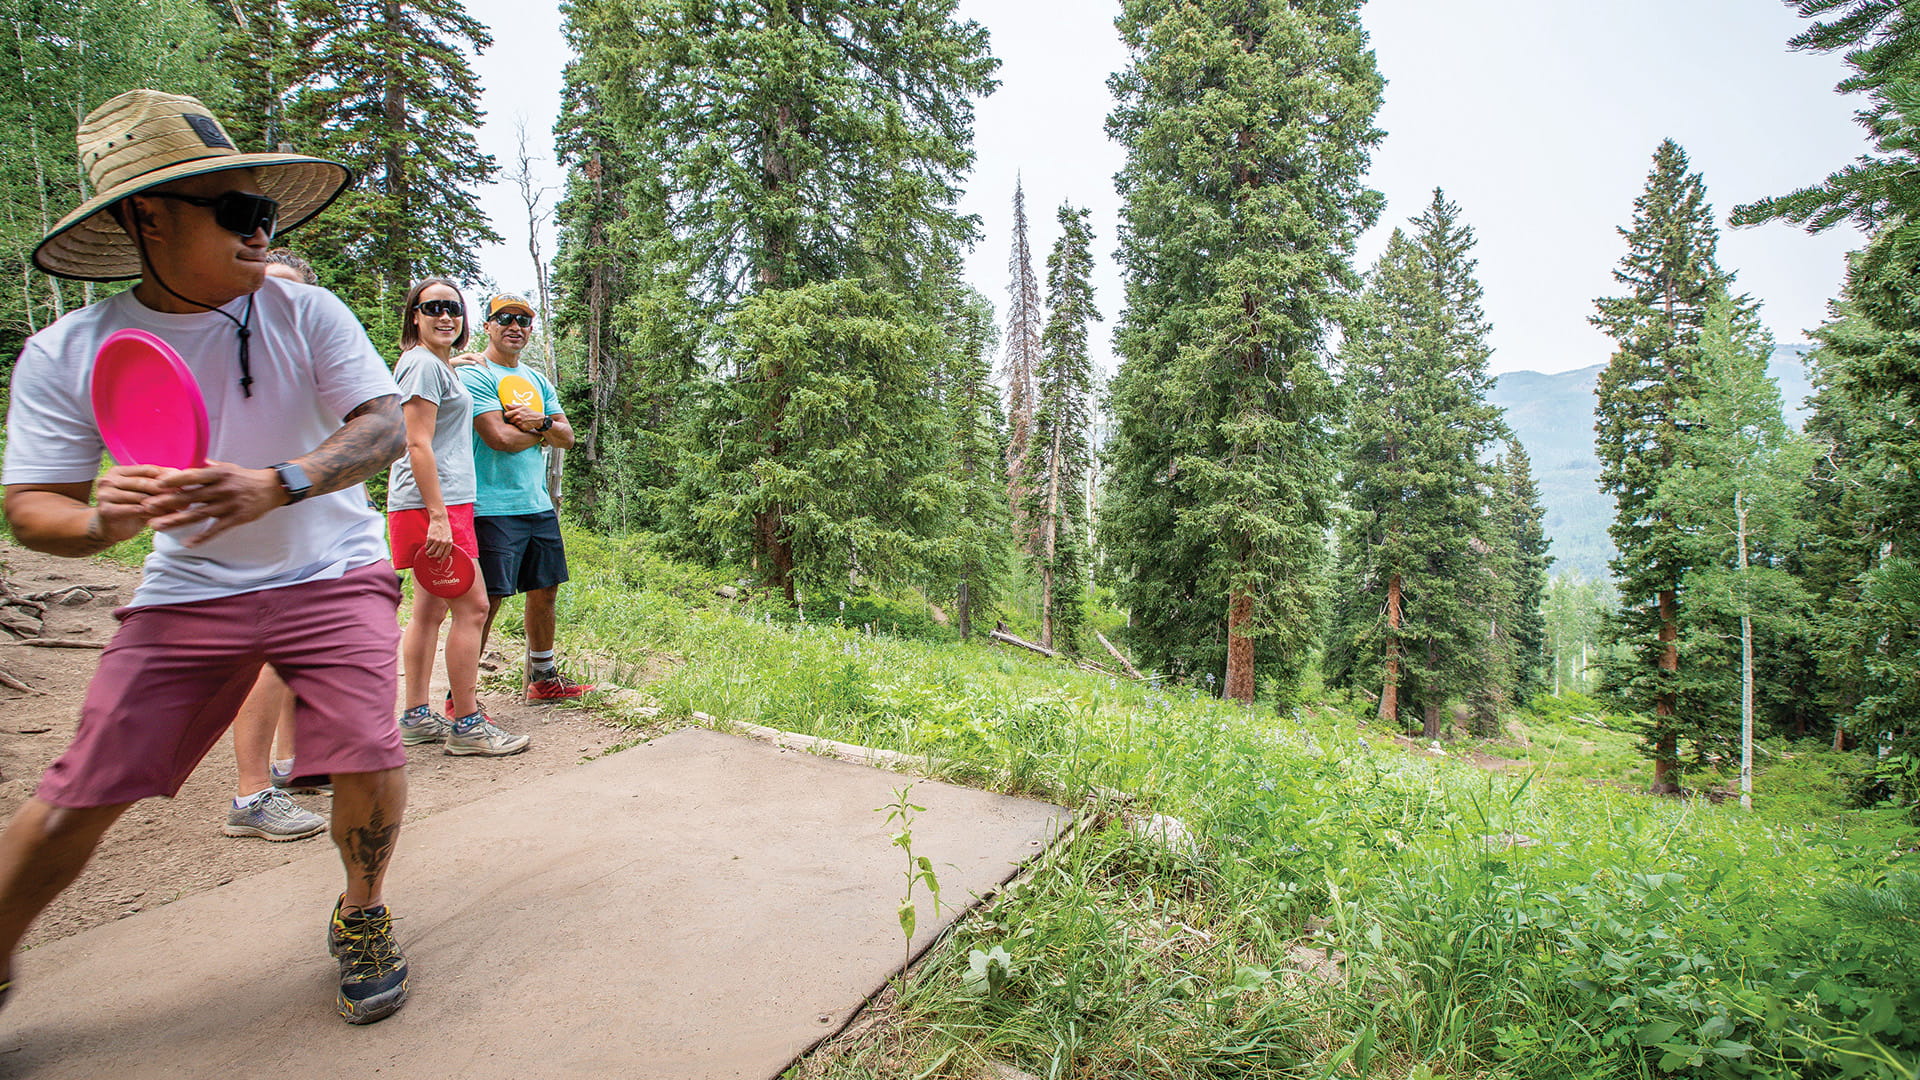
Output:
x,y
1539,117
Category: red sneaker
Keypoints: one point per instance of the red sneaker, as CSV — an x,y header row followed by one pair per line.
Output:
x,y
558,688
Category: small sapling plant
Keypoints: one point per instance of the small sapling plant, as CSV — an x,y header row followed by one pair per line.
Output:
x,y
919,867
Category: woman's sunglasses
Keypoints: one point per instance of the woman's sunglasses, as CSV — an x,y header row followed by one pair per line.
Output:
x,y
439,308
235,211
508,318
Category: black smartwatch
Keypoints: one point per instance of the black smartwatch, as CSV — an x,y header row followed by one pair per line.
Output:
x,y
546,425
294,479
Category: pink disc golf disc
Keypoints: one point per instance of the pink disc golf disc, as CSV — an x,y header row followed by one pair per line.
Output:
x,y
446,577
146,403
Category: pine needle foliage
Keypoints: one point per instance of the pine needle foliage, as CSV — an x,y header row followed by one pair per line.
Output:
x,y
386,87
1669,277
1427,557
1248,128
811,146
1062,421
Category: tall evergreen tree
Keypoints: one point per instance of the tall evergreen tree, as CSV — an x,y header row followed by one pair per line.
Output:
x,y
385,87
1248,127
1524,520
1062,420
1418,583
1021,361
1670,275
798,145
981,544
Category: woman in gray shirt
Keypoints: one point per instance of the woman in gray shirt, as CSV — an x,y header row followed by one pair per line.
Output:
x,y
430,492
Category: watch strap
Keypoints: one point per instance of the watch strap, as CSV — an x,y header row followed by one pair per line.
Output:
x,y
294,480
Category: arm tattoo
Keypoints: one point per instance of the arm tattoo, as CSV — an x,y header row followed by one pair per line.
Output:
x,y
370,845
373,435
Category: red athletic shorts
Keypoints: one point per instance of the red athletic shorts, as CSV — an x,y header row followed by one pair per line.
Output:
x,y
407,530
174,675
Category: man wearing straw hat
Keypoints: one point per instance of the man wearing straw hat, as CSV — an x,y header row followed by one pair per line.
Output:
x,y
268,554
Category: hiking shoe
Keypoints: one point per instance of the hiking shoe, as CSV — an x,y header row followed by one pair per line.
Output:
x,y
274,816
555,687
373,973
421,724
286,780
483,739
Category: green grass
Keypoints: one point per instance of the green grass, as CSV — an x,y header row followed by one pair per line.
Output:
x,y
1351,909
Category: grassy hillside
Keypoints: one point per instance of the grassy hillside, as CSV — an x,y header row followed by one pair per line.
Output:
x,y
1343,903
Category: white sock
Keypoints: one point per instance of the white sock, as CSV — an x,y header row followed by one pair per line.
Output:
x,y
241,802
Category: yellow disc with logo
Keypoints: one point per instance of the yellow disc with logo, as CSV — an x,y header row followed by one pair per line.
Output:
x,y
518,390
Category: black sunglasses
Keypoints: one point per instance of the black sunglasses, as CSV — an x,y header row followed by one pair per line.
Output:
x,y
234,211
437,308
508,318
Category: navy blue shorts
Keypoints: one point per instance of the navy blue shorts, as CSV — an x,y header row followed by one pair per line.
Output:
x,y
521,552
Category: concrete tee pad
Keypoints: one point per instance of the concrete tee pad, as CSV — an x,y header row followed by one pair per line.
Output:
x,y
698,906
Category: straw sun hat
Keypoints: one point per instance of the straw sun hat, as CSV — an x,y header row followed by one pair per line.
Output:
x,y
144,138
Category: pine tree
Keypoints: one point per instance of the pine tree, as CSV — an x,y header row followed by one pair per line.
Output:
x,y
1022,359
1247,128
1062,420
1670,276
1420,587
812,147
1524,520
385,87
980,542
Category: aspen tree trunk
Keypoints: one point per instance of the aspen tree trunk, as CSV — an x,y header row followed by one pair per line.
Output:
x,y
1430,722
1746,663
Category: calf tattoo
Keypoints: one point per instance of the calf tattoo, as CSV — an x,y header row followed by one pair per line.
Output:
x,y
370,845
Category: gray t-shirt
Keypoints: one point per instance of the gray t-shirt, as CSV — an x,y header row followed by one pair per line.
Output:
x,y
424,375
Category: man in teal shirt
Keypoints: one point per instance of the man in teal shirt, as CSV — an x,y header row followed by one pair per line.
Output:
x,y
515,412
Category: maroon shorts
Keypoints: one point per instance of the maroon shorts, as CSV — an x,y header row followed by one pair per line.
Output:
x,y
174,675
407,530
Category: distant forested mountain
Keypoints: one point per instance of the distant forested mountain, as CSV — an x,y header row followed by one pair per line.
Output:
x,y
1553,417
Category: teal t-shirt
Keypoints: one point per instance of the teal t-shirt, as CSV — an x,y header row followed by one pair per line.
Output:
x,y
506,483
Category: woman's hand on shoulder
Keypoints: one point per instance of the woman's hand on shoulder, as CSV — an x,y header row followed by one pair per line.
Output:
x,y
466,359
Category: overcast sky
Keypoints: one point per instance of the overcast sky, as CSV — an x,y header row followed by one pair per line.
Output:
x,y
1539,117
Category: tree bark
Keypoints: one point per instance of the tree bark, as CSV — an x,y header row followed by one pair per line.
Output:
x,y
963,609
1746,662
1430,722
1389,711
1239,647
1667,747
1052,527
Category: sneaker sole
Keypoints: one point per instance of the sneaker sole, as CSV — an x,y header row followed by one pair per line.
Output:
x,y
242,831
378,1007
485,751
421,740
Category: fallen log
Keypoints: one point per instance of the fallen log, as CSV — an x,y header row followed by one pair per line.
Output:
x,y
7,680
1003,637
59,643
1120,656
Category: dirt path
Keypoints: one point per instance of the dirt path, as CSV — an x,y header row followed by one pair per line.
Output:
x,y
166,849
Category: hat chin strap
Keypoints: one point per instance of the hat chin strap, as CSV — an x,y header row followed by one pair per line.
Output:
x,y
243,325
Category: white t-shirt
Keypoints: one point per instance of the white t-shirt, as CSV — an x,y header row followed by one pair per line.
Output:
x,y
312,365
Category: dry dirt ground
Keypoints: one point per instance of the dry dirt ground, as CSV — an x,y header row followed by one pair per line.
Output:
x,y
165,849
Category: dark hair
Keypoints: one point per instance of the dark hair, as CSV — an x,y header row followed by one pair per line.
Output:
x,y
410,333
286,257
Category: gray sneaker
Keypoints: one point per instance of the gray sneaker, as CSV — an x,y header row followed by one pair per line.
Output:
x,y
274,816
423,725
485,740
